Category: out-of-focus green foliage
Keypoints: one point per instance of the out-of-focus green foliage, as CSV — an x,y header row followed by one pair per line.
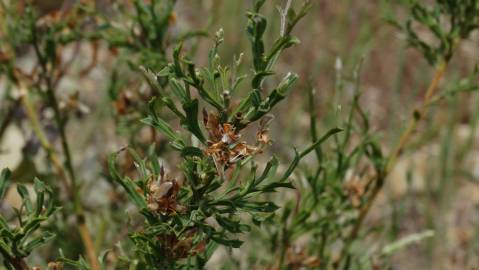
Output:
x,y
192,113
18,241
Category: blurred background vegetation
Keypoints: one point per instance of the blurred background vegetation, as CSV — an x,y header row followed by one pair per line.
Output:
x,y
435,185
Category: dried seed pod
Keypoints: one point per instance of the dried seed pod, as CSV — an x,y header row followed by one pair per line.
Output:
x,y
55,266
153,206
162,190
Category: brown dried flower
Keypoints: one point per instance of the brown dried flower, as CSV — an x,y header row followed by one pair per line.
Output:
x,y
180,248
55,266
224,143
162,195
355,189
298,259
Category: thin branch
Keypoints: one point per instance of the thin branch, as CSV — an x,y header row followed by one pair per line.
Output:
x,y
379,181
46,76
284,17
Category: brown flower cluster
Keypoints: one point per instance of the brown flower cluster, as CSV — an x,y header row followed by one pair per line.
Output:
x,y
296,258
224,143
355,189
162,195
176,248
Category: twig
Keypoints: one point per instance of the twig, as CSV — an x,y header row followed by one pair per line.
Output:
x,y
284,17
418,114
17,263
36,127
284,246
83,229
74,191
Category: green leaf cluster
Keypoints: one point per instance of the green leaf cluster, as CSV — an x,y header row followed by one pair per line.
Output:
x,y
18,241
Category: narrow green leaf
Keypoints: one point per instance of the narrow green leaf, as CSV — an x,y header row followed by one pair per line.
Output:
x,y
299,156
179,90
126,183
191,151
38,241
23,192
406,241
4,178
191,121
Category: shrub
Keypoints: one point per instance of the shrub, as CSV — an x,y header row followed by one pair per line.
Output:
x,y
199,175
